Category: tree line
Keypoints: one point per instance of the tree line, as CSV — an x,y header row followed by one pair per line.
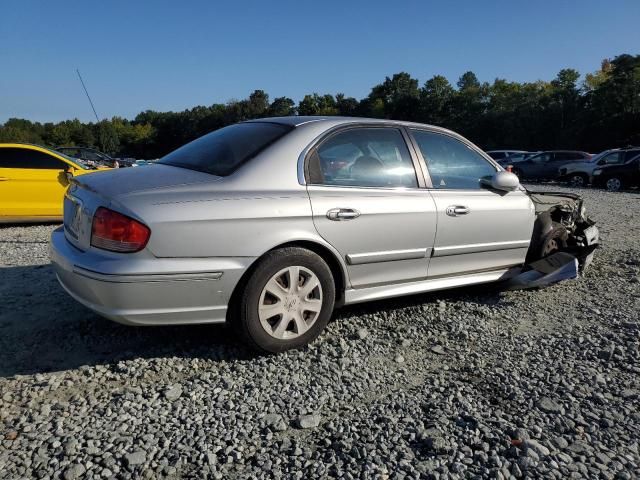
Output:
x,y
599,112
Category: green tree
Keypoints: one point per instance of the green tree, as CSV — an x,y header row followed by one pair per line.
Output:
x,y
435,101
602,111
399,96
281,107
347,106
318,105
108,137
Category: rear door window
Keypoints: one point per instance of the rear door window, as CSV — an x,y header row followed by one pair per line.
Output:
x,y
570,156
565,156
629,154
363,157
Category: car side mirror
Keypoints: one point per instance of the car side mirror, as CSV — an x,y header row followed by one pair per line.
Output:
x,y
66,175
503,181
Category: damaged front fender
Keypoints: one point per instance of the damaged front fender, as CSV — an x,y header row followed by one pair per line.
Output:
x,y
562,226
563,242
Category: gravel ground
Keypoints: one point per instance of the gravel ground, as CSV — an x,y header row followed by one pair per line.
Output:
x,y
467,383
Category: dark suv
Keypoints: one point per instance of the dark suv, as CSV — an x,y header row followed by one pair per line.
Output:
x,y
544,165
616,177
580,173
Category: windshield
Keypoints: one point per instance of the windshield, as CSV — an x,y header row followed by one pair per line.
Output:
x,y
76,162
516,157
223,151
598,156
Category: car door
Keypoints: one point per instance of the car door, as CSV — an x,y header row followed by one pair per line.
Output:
x,y
33,183
634,171
478,229
368,203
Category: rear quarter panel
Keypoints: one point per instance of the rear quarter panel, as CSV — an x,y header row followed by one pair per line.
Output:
x,y
223,224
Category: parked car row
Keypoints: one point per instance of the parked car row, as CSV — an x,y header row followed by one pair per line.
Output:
x,y
96,158
612,169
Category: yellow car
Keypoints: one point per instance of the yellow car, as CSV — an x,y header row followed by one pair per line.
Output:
x,y
33,181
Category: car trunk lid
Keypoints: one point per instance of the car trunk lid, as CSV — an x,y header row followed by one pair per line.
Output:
x,y
103,189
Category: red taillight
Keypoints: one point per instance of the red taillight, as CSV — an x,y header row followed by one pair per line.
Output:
x,y
118,233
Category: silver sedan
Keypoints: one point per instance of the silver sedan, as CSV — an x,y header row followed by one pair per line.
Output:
x,y
269,224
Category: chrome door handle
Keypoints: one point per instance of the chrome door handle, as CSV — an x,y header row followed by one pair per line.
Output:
x,y
339,214
457,210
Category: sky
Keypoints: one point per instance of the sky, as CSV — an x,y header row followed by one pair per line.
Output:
x,y
171,55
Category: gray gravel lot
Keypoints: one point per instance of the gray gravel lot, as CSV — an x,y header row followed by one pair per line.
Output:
x,y
471,383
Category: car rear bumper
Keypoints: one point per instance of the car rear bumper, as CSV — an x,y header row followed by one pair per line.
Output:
x,y
176,291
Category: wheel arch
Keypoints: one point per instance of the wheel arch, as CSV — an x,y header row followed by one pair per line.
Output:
x,y
331,257
577,173
544,229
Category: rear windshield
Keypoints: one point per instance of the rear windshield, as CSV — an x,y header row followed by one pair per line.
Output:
x,y
223,151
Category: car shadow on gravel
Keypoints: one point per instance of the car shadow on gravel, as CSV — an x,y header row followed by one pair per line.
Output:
x,y
42,329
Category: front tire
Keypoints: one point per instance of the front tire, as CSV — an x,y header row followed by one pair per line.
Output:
x,y
553,241
286,301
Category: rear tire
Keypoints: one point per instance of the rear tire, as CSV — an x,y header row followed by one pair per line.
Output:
x,y
614,184
578,180
277,311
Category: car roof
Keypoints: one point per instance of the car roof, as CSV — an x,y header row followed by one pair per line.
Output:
x,y
509,150
563,151
40,148
296,121
24,145
32,146
77,148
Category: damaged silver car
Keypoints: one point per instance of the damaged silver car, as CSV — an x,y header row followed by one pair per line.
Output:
x,y
269,224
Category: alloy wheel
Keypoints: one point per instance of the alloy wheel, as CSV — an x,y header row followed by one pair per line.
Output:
x,y
577,181
290,302
614,184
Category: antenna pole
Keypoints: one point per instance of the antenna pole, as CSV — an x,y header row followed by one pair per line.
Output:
x,y
87,93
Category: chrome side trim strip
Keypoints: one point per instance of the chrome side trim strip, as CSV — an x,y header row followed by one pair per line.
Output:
x,y
479,247
388,256
441,283
152,277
